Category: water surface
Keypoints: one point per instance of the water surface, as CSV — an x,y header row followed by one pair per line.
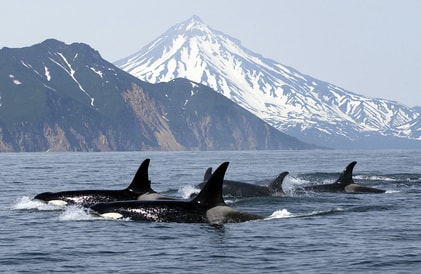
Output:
x,y
310,233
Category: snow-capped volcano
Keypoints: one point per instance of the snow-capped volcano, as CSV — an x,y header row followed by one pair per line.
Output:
x,y
297,104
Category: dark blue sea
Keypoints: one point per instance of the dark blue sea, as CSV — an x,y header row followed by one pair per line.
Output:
x,y
303,233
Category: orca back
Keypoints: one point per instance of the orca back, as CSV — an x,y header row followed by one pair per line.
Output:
x,y
276,186
141,182
211,193
208,174
346,176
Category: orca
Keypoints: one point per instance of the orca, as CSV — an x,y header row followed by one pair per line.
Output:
x,y
139,188
344,183
207,207
239,189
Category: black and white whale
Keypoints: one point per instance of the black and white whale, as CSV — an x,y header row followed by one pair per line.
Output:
x,y
207,207
245,190
139,188
344,183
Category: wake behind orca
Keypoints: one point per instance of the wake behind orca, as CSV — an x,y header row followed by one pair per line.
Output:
x,y
344,183
139,188
207,207
246,190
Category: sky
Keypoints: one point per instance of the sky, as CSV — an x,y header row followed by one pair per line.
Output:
x,y
369,47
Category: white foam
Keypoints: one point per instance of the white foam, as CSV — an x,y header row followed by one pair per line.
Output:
x,y
187,191
392,191
76,213
26,202
280,214
294,182
284,213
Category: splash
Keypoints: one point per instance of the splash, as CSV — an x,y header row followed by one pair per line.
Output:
x,y
294,184
25,203
284,213
187,191
392,191
280,214
76,213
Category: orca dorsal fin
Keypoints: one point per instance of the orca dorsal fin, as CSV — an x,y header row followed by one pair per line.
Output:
x,y
141,182
276,185
208,174
346,176
211,193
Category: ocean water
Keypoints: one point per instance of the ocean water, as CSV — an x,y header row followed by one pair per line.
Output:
x,y
306,233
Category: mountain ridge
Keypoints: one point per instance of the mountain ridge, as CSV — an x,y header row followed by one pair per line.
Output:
x,y
59,97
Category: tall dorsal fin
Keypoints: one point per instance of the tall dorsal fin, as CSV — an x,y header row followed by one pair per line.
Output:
x,y
276,185
208,174
211,193
346,176
140,182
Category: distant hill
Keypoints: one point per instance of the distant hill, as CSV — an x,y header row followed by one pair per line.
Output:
x,y
297,104
59,97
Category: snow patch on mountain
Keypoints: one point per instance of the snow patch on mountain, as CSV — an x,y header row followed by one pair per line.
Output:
x,y
67,67
47,73
14,80
99,72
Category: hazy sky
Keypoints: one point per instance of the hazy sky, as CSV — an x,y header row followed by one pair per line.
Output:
x,y
370,47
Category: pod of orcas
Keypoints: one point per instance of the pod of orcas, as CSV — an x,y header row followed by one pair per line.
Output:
x,y
140,202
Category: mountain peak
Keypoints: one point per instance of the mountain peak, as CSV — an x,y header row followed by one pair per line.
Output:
x,y
193,24
195,20
51,42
